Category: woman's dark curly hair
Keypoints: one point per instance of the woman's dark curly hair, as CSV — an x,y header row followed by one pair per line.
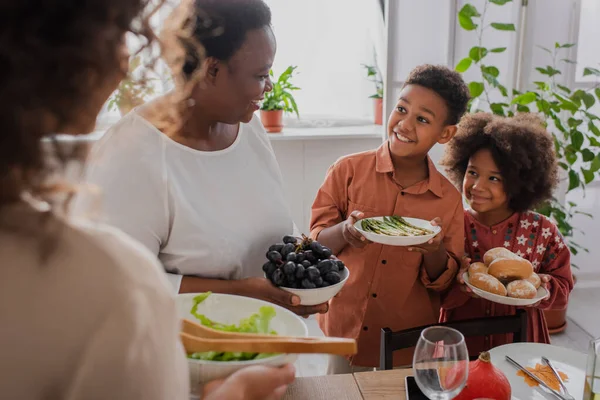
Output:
x,y
54,56
448,84
522,149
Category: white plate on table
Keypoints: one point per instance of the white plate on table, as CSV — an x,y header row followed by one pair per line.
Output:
x,y
400,240
570,362
510,301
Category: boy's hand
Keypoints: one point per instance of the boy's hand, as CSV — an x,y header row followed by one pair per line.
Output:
x,y
349,232
433,244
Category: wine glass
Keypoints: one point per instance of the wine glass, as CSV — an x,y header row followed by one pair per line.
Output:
x,y
441,363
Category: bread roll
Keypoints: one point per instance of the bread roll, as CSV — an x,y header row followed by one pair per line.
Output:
x,y
510,269
535,280
488,283
478,268
521,289
497,252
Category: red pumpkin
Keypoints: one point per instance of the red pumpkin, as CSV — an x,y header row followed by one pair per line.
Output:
x,y
484,381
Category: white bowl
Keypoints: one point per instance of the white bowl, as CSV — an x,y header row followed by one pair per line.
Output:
x,y
400,240
510,301
312,297
230,309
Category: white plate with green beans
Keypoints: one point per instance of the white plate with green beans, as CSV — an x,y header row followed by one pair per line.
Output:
x,y
397,231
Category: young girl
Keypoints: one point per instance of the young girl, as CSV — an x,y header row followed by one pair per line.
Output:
x,y
506,167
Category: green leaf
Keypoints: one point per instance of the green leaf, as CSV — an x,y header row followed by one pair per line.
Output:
x,y
498,50
542,85
574,123
588,175
491,70
587,155
550,71
593,141
563,165
543,106
498,108
588,100
570,155
577,140
568,61
573,180
476,88
566,45
597,91
503,90
503,27
566,104
595,166
593,128
591,71
464,65
525,98
564,88
523,109
500,2
544,48
477,53
465,17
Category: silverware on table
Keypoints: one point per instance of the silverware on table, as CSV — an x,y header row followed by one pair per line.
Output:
x,y
562,384
538,380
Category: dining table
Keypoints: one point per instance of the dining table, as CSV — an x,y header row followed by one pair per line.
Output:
x,y
376,385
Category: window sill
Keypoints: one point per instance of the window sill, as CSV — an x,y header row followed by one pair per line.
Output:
x,y
298,134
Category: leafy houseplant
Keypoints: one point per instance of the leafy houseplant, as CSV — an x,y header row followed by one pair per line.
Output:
x,y
130,93
375,76
278,101
567,114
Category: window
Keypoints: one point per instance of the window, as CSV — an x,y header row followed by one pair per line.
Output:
x,y
587,40
329,41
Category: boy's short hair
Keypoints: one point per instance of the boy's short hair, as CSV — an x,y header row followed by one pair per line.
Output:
x,y
522,149
448,84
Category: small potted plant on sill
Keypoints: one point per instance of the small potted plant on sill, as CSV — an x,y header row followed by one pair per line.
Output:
x,y
278,101
131,92
375,77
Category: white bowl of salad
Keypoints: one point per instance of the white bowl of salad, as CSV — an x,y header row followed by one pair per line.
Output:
x,y
235,314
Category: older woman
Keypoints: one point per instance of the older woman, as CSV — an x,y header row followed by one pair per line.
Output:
x,y
85,310
207,199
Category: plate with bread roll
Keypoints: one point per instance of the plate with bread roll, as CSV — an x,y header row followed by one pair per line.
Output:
x,y
504,277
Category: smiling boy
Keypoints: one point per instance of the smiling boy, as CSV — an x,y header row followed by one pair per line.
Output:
x,y
395,287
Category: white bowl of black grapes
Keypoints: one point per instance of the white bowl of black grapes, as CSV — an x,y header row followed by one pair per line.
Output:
x,y
306,268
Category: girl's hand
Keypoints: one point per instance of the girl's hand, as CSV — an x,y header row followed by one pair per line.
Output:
x,y
433,244
465,262
263,289
351,235
545,279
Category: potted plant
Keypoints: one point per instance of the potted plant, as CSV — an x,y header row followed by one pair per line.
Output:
x,y
131,92
375,76
278,101
567,111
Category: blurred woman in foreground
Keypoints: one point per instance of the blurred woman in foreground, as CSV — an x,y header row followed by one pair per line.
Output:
x,y
85,310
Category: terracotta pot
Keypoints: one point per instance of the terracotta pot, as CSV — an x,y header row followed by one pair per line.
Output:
x,y
557,319
272,120
378,104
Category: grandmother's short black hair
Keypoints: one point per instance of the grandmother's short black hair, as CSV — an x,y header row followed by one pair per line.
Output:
x,y
228,22
447,83
522,149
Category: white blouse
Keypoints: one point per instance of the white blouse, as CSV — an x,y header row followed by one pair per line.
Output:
x,y
207,214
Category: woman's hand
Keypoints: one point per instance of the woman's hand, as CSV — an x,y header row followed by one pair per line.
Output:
x,y
433,244
262,288
351,235
257,382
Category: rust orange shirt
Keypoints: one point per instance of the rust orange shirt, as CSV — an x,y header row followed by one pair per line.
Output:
x,y
388,286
